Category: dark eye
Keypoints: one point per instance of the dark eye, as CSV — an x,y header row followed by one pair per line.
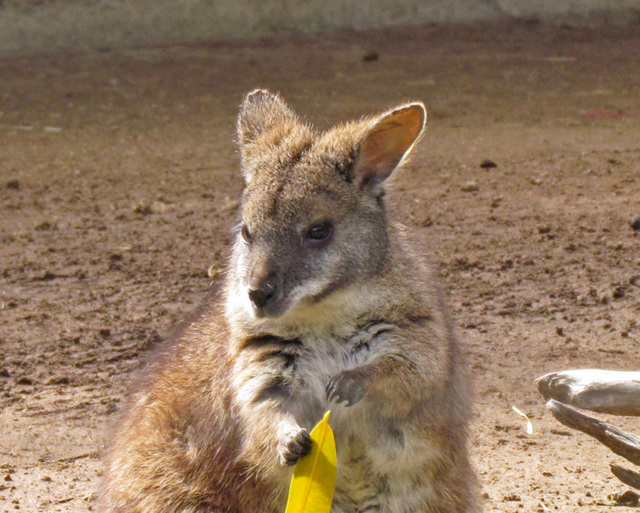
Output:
x,y
246,234
320,232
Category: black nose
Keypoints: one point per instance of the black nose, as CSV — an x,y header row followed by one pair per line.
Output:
x,y
264,293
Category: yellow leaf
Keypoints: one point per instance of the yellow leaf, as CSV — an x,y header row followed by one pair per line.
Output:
x,y
314,476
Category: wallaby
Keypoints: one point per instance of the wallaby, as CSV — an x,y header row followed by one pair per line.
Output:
x,y
325,305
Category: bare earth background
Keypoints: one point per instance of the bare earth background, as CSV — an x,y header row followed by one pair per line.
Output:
x,y
118,187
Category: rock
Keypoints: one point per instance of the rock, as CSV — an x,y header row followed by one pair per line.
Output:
x,y
488,164
425,222
46,276
370,57
44,226
13,184
628,498
58,380
143,210
635,222
618,293
159,207
470,187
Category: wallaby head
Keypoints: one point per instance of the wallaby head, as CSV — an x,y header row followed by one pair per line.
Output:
x,y
313,217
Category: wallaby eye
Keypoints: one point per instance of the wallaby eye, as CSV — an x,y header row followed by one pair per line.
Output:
x,y
320,232
246,234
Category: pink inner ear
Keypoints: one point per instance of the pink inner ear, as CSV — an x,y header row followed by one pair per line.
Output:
x,y
385,145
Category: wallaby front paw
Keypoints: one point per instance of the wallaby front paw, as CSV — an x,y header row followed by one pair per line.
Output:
x,y
348,386
294,446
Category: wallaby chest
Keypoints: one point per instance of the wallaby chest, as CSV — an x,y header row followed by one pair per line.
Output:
x,y
297,370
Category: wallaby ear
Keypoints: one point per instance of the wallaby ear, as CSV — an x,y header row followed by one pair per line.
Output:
x,y
260,111
387,142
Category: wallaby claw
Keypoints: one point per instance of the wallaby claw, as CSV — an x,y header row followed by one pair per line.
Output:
x,y
348,386
294,447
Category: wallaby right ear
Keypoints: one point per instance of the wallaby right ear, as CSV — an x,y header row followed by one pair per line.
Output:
x,y
260,111
387,142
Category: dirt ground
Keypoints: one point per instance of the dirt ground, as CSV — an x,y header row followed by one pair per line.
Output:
x,y
118,187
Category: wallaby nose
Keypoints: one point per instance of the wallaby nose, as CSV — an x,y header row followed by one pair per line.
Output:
x,y
264,293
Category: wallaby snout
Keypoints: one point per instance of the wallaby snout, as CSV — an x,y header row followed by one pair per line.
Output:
x,y
263,291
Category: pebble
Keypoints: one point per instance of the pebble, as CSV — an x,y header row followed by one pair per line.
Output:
x,y
370,57
635,222
57,380
143,210
618,293
470,187
488,164
628,498
44,226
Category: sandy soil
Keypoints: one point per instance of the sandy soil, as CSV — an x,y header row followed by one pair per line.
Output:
x,y
118,187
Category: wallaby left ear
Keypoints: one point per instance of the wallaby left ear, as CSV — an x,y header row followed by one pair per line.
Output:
x,y
385,145
261,111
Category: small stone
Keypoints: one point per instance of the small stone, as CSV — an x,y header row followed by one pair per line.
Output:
x,y
42,227
425,222
618,293
511,498
13,184
470,187
635,222
143,210
370,57
46,276
58,380
24,380
628,498
159,207
488,164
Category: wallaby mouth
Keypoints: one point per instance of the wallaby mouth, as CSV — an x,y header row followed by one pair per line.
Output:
x,y
272,309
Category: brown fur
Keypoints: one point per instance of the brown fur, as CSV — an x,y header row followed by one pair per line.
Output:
x,y
325,306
